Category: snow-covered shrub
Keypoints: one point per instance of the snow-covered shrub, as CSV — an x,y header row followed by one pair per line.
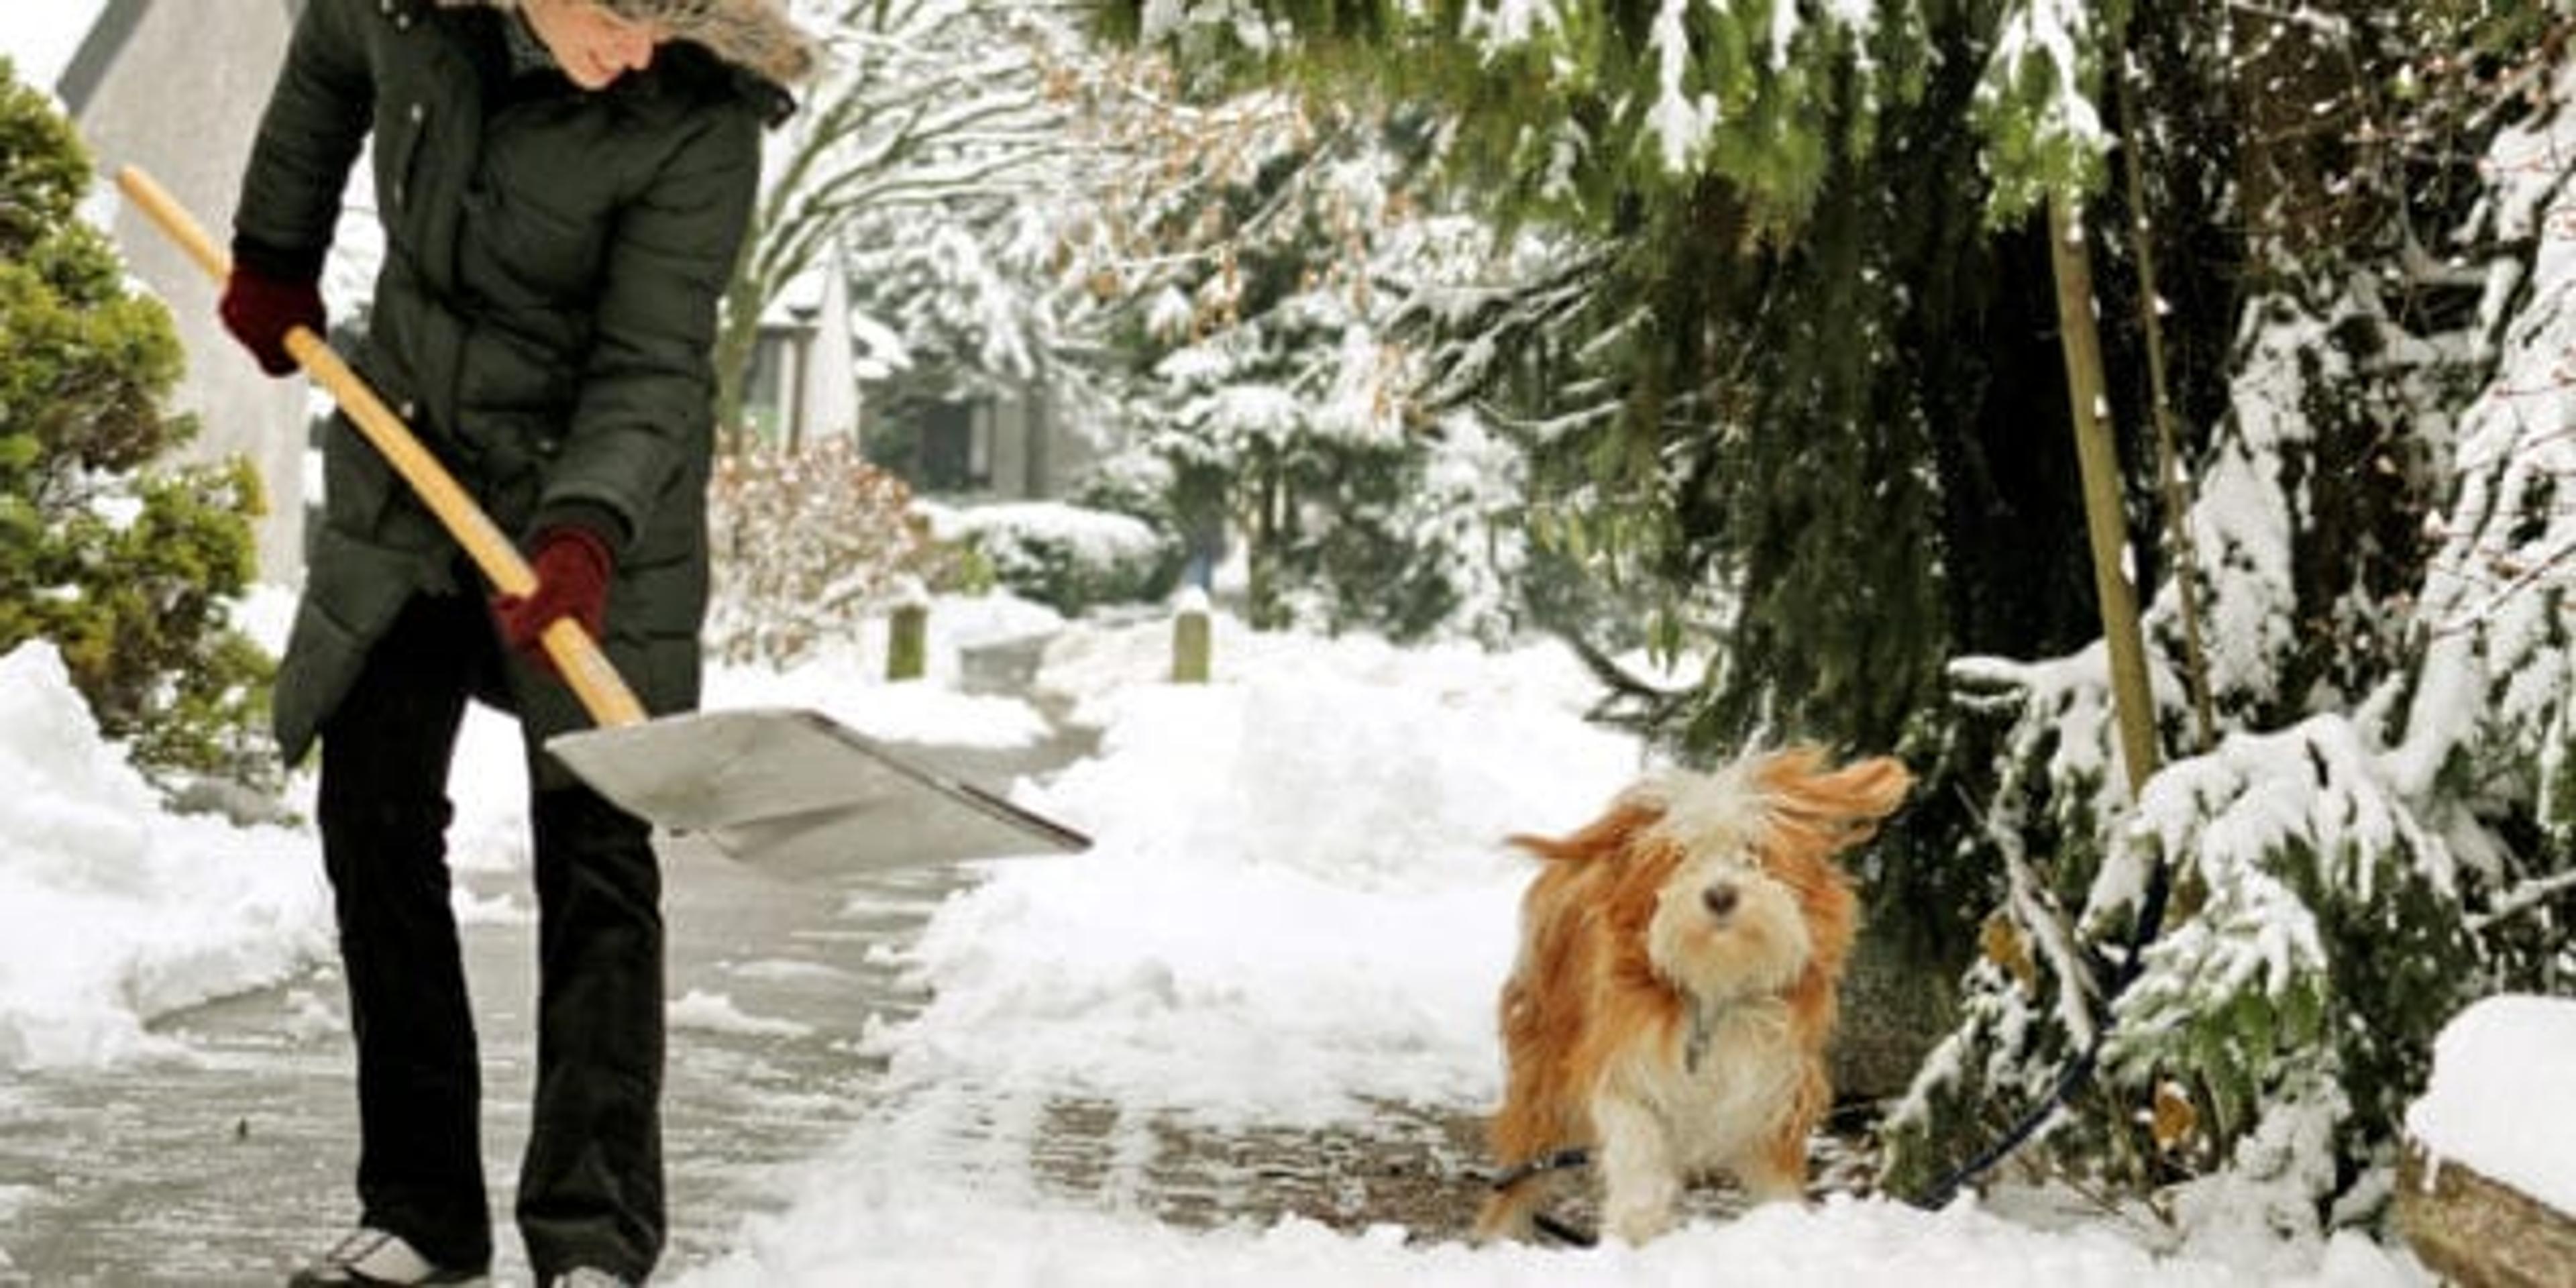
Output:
x,y
1066,556
809,544
1139,485
2380,834
2312,942
2317,940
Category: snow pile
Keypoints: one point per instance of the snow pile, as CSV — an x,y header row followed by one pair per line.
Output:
x,y
2498,1099
1299,897
113,911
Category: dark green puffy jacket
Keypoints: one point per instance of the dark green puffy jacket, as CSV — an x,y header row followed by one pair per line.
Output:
x,y
543,319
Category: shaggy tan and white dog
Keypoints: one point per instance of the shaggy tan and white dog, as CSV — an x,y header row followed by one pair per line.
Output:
x,y
1676,986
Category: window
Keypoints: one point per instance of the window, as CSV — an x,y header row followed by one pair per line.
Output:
x,y
764,387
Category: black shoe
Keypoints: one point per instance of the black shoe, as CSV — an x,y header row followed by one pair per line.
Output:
x,y
368,1256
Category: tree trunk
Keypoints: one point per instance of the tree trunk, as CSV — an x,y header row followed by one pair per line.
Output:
x,y
2100,464
2185,567
735,338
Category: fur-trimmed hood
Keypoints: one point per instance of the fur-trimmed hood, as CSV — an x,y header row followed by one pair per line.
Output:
x,y
756,35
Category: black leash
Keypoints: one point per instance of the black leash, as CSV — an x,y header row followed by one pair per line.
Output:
x,y
1555,1160
2079,1070
1563,1233
2070,1079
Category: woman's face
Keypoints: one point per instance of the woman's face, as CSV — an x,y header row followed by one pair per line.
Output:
x,y
594,46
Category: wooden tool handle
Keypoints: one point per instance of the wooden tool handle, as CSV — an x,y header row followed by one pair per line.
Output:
x,y
603,693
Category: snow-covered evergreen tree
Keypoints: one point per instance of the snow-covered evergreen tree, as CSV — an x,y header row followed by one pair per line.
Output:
x,y
1248,258
2372,842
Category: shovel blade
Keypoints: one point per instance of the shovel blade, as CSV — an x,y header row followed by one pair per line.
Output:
x,y
794,790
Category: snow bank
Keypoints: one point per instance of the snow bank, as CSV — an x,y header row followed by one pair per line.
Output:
x,y
113,911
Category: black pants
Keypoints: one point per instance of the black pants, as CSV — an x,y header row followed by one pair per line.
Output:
x,y
590,1185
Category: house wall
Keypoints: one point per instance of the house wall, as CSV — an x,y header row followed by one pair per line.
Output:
x,y
1034,457
1011,475
177,90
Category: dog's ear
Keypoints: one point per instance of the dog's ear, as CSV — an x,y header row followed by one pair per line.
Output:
x,y
1601,838
1845,805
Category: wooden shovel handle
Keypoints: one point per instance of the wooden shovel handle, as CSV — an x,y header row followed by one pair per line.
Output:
x,y
597,683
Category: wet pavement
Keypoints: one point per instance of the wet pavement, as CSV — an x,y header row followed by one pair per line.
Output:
x,y
231,1162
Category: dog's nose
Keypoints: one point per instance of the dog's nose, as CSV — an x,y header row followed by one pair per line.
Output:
x,y
1720,898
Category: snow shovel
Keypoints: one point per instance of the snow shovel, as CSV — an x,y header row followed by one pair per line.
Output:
x,y
771,787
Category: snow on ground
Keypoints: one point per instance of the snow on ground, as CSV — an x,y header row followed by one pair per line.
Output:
x,y
843,682
883,1225
1299,904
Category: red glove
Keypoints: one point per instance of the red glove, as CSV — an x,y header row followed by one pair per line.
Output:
x,y
259,310
573,565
